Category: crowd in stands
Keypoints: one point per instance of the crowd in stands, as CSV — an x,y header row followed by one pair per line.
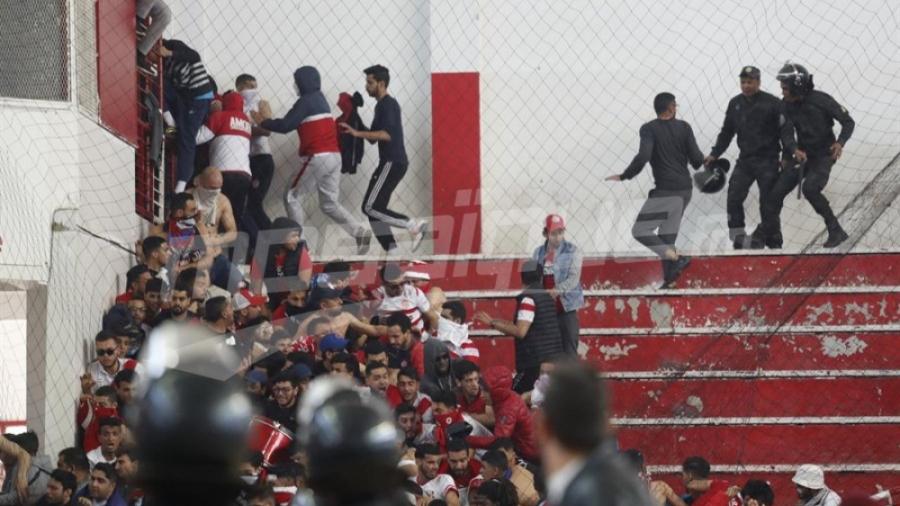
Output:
x,y
469,436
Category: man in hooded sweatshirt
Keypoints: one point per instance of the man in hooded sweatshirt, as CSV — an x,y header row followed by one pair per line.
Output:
x,y
229,131
320,156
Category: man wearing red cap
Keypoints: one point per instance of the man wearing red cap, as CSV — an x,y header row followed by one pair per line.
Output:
x,y
561,264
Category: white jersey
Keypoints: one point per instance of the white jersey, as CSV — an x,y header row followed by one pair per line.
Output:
x,y
439,487
411,301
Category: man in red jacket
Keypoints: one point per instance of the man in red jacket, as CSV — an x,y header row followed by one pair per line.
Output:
x,y
512,416
229,130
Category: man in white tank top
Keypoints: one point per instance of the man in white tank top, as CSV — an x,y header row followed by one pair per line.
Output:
x,y
262,165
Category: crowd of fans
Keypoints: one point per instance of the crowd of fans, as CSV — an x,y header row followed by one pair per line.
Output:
x,y
469,436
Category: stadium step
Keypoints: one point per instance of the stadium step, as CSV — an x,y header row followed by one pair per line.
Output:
x,y
713,401
759,363
675,311
843,479
745,271
848,442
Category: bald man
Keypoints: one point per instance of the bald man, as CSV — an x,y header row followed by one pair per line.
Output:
x,y
215,208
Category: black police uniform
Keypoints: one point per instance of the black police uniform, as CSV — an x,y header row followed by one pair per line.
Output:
x,y
813,117
763,132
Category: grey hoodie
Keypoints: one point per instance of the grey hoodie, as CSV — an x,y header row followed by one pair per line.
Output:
x,y
38,476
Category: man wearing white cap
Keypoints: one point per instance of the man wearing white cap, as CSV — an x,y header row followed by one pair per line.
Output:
x,y
810,482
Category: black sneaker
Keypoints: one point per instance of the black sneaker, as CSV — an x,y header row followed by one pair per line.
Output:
x,y
741,241
836,237
677,267
774,242
757,239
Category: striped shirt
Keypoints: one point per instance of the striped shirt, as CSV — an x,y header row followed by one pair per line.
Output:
x,y
411,301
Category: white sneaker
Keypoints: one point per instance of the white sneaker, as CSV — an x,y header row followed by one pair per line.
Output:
x,y
419,232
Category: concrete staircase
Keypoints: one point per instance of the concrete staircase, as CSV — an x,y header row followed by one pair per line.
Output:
x,y
759,363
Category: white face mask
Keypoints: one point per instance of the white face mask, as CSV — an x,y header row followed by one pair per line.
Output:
x,y
251,99
206,197
188,223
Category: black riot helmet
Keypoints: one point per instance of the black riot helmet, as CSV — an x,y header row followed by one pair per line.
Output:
x,y
797,78
351,442
191,418
713,178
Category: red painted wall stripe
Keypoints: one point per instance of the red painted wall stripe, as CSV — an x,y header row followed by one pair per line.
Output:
x,y
117,67
766,444
456,162
847,397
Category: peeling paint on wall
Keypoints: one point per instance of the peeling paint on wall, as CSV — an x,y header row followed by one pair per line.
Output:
x,y
852,308
616,351
661,314
833,346
816,312
634,303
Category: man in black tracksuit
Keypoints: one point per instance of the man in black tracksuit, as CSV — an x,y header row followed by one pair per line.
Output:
x,y
758,120
813,114
668,144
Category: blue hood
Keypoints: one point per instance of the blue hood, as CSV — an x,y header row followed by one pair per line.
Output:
x,y
307,79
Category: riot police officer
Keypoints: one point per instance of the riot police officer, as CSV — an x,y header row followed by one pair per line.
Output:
x,y
813,114
763,132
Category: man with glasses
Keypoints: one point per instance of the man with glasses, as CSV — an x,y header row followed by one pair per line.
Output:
x,y
286,389
439,377
103,371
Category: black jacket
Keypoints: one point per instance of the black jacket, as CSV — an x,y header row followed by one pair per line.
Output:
x,y
814,117
762,128
605,481
669,145
352,148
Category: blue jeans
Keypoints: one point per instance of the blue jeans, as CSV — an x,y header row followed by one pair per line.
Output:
x,y
189,116
224,274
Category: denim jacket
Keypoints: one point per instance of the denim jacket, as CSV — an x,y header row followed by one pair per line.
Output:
x,y
566,274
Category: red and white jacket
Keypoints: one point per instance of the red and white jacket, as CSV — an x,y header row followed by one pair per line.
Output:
x,y
229,131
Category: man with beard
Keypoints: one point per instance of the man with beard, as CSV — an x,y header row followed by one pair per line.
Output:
x,y
179,302
410,350
283,406
810,482
463,467
434,484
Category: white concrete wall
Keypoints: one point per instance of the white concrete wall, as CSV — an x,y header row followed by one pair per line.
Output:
x,y
13,358
61,171
271,39
567,85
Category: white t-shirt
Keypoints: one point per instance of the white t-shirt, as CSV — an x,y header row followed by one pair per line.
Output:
x,y
102,378
439,487
95,457
411,301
